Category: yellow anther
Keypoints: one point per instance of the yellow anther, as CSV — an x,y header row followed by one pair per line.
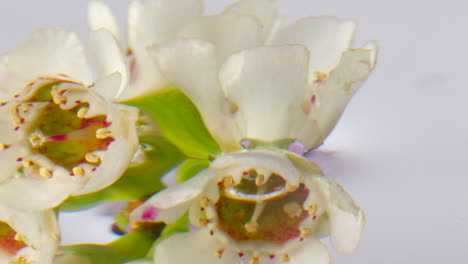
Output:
x,y
19,237
228,181
78,171
19,260
312,209
46,173
27,163
82,112
320,76
292,209
2,103
92,158
285,257
255,259
4,146
204,221
103,133
260,180
291,188
17,118
219,253
24,107
205,201
36,140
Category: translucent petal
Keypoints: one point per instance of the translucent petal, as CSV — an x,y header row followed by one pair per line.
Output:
x,y
229,32
265,82
190,65
48,51
108,58
100,16
171,203
193,247
310,251
326,37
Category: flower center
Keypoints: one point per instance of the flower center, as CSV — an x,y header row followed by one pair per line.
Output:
x,y
9,240
67,136
261,210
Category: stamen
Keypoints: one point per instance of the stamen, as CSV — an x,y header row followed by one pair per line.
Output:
x,y
57,97
204,202
305,231
254,260
219,253
83,112
17,118
24,107
204,221
320,76
252,225
285,257
46,173
103,133
78,171
312,209
4,146
36,140
27,163
93,158
3,103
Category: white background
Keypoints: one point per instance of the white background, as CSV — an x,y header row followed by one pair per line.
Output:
x,y
401,148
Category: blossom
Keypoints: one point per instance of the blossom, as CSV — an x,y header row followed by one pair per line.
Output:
x,y
61,133
256,205
27,237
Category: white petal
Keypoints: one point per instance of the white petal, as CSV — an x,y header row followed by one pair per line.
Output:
x,y
108,86
190,65
193,247
108,57
229,32
100,16
49,51
338,88
265,82
346,218
310,251
171,203
327,37
37,194
265,10
154,21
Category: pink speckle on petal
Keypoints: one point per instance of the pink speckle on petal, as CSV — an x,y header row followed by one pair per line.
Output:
x,y
313,99
193,228
149,213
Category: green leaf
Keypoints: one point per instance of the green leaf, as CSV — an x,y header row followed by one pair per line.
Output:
x,y
137,181
180,121
189,168
133,245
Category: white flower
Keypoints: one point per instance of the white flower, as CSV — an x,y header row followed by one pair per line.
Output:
x,y
27,237
255,205
61,134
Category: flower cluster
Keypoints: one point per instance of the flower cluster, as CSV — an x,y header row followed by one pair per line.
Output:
x,y
233,101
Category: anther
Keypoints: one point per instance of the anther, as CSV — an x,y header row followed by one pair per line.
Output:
x,y
285,257
204,202
45,172
312,209
254,260
204,221
36,140
27,163
103,133
304,232
2,103
219,253
24,107
251,226
82,112
92,158
292,209
4,146
78,171
320,76
57,97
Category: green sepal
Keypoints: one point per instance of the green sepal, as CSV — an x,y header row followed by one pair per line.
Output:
x,y
133,245
181,225
189,168
179,120
137,181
